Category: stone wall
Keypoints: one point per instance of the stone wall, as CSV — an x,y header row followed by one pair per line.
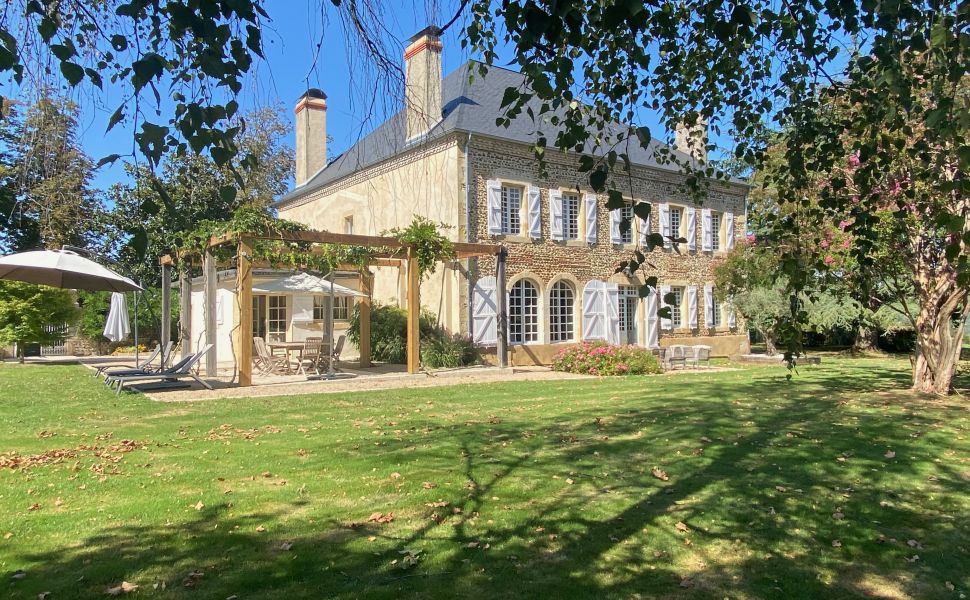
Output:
x,y
544,261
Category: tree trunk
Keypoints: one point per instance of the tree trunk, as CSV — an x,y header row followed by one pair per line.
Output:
x,y
770,348
866,338
938,343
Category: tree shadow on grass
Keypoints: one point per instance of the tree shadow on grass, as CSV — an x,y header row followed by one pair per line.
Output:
x,y
757,473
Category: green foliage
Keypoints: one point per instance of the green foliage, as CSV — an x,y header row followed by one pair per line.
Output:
x,y
427,242
45,197
27,310
197,55
445,350
388,338
94,307
600,358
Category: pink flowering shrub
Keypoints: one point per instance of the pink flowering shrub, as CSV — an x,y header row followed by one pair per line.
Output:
x,y
600,358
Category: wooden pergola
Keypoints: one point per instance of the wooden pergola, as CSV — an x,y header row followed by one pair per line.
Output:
x,y
389,255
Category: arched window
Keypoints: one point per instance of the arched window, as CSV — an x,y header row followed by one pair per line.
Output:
x,y
562,302
523,312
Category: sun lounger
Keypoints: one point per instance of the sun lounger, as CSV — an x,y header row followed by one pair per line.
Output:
x,y
145,365
176,373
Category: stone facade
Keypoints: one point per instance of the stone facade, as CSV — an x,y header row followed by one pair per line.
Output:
x,y
545,261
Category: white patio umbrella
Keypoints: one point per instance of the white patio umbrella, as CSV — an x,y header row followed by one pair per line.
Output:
x,y
68,270
116,328
63,269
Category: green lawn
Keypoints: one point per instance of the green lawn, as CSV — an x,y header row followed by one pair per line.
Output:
x,y
836,484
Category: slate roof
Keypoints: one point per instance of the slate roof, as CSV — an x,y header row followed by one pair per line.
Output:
x,y
469,106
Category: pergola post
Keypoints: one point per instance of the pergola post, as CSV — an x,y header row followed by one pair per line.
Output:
x,y
243,344
185,310
502,318
414,313
209,274
166,333
364,305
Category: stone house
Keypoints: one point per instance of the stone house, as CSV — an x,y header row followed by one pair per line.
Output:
x,y
443,157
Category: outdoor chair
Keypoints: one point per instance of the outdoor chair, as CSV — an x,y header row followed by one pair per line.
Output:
x,y
678,356
267,362
170,377
312,355
701,354
144,365
338,348
661,354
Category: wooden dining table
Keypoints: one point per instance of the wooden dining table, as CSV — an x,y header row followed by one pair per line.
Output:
x,y
288,348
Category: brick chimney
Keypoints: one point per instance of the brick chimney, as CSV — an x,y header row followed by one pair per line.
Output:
x,y
692,139
311,134
422,81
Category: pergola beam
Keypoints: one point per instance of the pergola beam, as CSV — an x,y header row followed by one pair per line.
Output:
x,y
462,249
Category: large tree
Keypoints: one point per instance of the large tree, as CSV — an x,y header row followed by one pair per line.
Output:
x,y
33,313
45,175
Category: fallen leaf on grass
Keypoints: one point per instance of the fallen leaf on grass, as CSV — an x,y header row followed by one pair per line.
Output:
x,y
659,474
836,543
914,544
471,545
285,546
570,481
913,558
428,485
43,595
8,535
123,588
33,506
199,505
260,529
395,475
19,574
681,526
439,504
686,582
379,517
950,586
838,516
890,454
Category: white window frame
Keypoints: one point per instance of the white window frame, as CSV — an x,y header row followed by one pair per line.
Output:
x,y
562,312
511,208
677,308
627,213
524,312
570,215
676,231
715,231
277,318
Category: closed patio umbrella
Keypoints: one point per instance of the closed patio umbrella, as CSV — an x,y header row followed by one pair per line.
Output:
x,y
116,327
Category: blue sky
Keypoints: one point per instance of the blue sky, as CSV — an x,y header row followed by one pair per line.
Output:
x,y
292,65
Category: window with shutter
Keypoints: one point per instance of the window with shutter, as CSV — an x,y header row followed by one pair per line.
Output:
x,y
665,322
653,329
665,224
611,306
729,232
511,210
594,327
626,216
493,191
677,307
570,216
556,225
709,306
715,231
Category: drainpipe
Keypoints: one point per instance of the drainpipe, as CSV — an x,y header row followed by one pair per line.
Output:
x,y
469,237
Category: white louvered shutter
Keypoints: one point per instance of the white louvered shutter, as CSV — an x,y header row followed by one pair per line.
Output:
x,y
653,329
556,225
302,309
594,328
535,213
707,231
645,231
615,218
692,306
732,319
494,193
729,232
591,207
708,306
484,312
665,322
665,223
611,310
691,228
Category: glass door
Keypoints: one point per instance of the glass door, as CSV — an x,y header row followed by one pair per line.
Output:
x,y
259,316
629,302
276,318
